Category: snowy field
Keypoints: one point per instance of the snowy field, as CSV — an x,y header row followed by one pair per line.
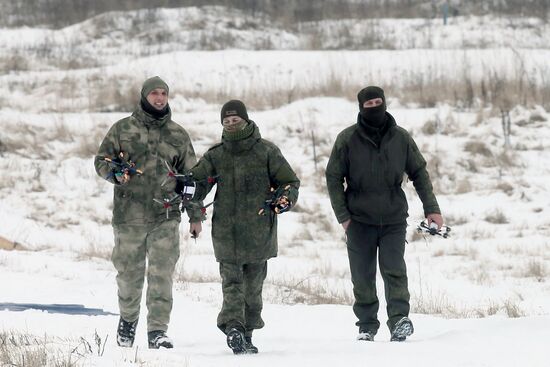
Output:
x,y
479,298
488,282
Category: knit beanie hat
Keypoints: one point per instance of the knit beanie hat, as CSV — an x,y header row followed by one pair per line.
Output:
x,y
234,108
151,84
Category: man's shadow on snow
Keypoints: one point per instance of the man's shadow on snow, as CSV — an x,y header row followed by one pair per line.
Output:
x,y
67,309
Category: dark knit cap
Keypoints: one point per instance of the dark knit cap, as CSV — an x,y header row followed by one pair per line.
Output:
x,y
151,84
234,108
370,92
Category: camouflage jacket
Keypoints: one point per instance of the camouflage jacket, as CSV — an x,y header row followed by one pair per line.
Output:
x,y
149,143
373,175
247,169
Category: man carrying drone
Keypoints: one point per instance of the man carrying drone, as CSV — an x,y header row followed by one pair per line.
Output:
x,y
133,156
244,223
364,176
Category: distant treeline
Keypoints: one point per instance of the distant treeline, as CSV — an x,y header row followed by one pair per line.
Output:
x,y
60,13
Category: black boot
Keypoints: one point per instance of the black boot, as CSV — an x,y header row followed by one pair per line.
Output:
x,y
366,335
126,333
402,329
158,338
236,341
250,348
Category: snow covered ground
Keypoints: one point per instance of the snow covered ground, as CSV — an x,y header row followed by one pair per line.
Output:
x,y
479,298
297,335
484,290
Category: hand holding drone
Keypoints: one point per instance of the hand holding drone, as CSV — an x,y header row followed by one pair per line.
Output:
x,y
122,168
433,230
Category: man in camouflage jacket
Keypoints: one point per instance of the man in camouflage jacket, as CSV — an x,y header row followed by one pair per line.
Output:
x,y
247,167
370,158
142,227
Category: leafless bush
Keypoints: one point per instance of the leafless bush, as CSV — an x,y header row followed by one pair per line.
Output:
x,y
505,187
430,127
478,148
496,217
507,159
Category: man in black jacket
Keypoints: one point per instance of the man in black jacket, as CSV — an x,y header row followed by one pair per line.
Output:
x,y
370,158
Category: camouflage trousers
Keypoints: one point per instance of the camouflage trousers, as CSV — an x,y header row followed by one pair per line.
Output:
x,y
242,296
366,243
159,245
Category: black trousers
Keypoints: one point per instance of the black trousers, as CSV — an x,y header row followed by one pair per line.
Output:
x,y
364,243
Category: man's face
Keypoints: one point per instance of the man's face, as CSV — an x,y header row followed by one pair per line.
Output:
x,y
231,123
158,98
375,102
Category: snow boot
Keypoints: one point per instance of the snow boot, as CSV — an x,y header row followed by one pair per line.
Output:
x,y
250,348
236,341
402,329
158,338
366,335
126,333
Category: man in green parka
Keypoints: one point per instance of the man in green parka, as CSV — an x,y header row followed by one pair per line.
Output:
x,y
370,158
143,228
244,226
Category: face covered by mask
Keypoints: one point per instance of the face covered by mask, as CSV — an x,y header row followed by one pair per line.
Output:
x,y
374,116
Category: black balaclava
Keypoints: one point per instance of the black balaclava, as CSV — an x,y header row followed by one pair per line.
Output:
x,y
148,86
374,116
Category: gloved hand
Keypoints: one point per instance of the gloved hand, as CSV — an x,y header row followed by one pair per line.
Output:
x,y
185,187
122,178
282,205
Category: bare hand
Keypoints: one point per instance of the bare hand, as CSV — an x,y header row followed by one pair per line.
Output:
x,y
345,224
435,218
195,229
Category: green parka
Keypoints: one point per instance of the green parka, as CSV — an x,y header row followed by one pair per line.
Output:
x,y
247,169
149,142
373,175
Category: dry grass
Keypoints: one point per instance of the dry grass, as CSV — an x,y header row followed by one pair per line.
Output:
x,y
183,276
440,304
496,217
25,350
535,269
309,291
478,148
430,127
505,187
95,251
463,186
454,220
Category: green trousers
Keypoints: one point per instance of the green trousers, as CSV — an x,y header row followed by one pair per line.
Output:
x,y
242,296
158,246
366,244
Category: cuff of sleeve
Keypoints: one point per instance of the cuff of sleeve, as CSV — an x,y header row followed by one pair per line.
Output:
x,y
195,215
343,217
431,210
